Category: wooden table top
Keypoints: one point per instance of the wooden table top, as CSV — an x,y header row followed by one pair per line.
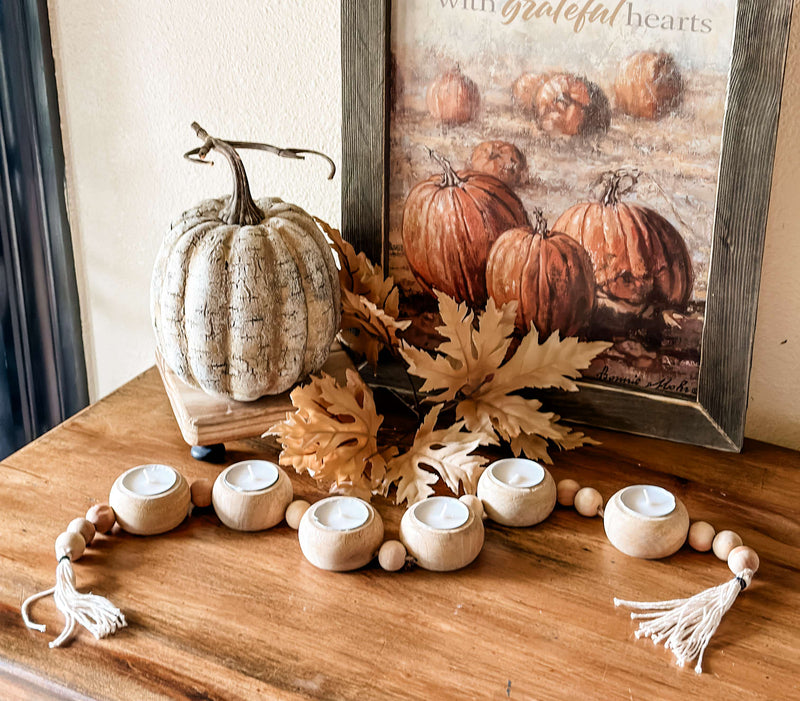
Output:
x,y
218,614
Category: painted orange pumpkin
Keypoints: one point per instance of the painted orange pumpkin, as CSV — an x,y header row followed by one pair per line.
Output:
x,y
501,159
569,105
548,274
649,85
638,256
525,90
453,98
450,222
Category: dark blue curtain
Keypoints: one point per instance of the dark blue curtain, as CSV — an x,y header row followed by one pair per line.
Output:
x,y
43,375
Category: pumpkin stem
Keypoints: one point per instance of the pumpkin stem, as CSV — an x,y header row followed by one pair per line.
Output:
x,y
540,223
613,185
241,209
450,177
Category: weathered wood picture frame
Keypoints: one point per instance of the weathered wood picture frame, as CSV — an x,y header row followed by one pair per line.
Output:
x,y
715,416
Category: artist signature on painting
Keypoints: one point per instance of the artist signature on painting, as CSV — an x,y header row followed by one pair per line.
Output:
x,y
663,384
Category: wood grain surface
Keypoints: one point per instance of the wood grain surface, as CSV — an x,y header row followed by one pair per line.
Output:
x,y
218,614
205,419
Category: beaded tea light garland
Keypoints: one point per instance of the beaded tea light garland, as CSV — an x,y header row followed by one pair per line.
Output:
x,y
341,533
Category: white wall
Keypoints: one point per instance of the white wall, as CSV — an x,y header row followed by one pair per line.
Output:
x,y
133,74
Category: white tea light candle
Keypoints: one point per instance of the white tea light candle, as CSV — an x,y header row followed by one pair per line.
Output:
x,y
340,533
150,499
646,521
149,480
251,495
251,475
518,473
441,533
444,513
341,513
517,492
648,500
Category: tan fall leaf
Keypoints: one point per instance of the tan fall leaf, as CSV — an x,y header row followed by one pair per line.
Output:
x,y
467,356
471,367
551,364
361,276
370,302
535,447
366,328
332,435
491,412
447,451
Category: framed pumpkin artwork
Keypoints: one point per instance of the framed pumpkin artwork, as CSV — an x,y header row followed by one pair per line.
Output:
x,y
604,163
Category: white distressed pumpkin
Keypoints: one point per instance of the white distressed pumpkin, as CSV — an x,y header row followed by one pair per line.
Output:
x,y
245,297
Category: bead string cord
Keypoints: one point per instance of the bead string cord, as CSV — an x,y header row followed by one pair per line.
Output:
x,y
685,626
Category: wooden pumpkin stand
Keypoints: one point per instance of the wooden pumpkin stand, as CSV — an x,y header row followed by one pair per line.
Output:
x,y
208,422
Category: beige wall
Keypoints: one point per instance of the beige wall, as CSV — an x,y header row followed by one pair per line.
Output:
x,y
774,411
133,74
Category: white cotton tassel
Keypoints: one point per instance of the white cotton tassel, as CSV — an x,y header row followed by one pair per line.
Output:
x,y
95,613
687,625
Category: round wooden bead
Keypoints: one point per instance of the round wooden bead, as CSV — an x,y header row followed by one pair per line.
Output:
x,y
295,511
645,536
83,526
254,510
743,558
392,555
724,542
588,501
102,517
566,491
150,514
339,549
517,492
701,536
472,502
441,550
201,493
70,544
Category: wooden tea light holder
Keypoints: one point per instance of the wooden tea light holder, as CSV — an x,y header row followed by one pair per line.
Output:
x,y
252,495
517,492
150,499
646,521
340,533
442,533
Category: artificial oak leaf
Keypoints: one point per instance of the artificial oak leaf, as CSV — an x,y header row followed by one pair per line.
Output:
x,y
366,328
447,451
552,364
489,411
332,435
535,447
473,367
518,421
370,301
361,276
467,356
